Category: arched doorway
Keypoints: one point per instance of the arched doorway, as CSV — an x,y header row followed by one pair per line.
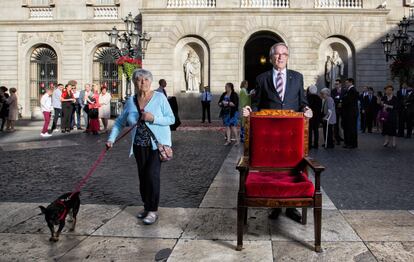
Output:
x,y
105,70
43,72
256,55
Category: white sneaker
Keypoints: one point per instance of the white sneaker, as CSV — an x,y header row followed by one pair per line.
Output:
x,y
56,130
45,135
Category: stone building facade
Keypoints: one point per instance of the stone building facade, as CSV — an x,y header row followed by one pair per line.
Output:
x,y
229,38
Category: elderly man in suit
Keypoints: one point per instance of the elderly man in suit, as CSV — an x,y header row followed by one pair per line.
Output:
x,y
280,88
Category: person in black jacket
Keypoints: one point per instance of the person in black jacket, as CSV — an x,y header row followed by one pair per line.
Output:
x,y
229,103
369,109
402,95
4,107
315,103
350,114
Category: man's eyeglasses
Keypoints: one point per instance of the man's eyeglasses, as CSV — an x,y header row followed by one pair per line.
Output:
x,y
283,55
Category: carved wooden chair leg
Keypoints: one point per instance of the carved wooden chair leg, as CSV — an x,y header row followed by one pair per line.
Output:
x,y
240,227
317,213
304,216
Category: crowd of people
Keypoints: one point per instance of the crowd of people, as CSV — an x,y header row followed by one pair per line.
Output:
x,y
9,108
68,104
344,111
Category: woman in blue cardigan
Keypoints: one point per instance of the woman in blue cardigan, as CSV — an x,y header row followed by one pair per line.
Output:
x,y
156,115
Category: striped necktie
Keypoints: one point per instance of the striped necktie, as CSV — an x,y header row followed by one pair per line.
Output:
x,y
279,84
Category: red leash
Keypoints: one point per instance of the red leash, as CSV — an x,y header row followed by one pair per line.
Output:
x,y
96,164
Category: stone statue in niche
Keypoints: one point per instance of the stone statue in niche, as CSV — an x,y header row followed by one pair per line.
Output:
x,y
334,69
192,72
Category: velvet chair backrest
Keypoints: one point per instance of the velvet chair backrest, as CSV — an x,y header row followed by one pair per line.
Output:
x,y
276,141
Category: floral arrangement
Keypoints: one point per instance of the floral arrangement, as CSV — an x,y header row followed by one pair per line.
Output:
x,y
403,68
127,65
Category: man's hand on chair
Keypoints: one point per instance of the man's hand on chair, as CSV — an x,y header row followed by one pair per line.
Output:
x,y
246,111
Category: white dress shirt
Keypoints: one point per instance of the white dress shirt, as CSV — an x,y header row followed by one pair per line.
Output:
x,y
275,73
46,103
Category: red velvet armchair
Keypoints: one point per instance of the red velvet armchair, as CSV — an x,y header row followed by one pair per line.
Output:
x,y
274,168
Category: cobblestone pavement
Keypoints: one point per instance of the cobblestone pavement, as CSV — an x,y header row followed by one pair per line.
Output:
x,y
40,175
370,177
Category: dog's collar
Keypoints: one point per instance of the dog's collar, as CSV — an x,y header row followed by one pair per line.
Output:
x,y
65,210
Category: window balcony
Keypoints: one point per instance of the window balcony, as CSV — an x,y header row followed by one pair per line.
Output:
x,y
40,13
191,3
338,3
264,3
105,12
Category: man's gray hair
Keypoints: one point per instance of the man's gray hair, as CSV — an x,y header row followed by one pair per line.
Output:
x,y
273,48
141,73
326,91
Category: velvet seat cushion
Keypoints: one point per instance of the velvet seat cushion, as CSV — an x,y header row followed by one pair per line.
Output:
x,y
283,184
276,141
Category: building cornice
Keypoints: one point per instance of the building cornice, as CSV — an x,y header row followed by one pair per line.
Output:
x,y
264,11
61,22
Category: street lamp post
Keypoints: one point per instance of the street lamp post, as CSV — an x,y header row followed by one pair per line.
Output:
x,y
401,42
132,43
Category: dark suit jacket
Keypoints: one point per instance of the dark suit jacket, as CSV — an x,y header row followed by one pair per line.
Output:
x,y
350,102
370,106
266,96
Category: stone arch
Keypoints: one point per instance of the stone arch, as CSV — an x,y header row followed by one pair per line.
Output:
x,y
24,54
201,48
346,51
245,40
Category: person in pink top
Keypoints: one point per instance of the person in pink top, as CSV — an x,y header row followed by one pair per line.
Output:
x,y
93,104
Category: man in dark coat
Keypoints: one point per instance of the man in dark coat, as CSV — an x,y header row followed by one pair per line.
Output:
x,y
369,108
280,88
350,114
402,95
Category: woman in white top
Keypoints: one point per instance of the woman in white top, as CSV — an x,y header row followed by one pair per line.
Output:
x,y
105,109
46,107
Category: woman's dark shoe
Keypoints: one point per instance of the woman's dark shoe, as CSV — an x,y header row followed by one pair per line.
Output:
x,y
385,144
142,214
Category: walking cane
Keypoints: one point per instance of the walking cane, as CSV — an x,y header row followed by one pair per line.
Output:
x,y
327,125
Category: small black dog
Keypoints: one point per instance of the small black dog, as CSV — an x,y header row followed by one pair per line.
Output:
x,y
56,212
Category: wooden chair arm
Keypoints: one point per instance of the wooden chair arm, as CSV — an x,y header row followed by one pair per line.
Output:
x,y
243,167
314,165
317,169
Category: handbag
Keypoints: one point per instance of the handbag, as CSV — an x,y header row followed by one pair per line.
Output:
x,y
383,116
165,151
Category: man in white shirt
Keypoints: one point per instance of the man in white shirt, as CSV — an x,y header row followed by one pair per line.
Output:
x,y
46,107
205,104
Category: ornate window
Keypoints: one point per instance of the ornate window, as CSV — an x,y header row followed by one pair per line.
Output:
x,y
43,72
105,71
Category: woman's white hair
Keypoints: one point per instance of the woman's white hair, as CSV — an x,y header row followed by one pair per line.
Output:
x,y
141,73
326,91
313,89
